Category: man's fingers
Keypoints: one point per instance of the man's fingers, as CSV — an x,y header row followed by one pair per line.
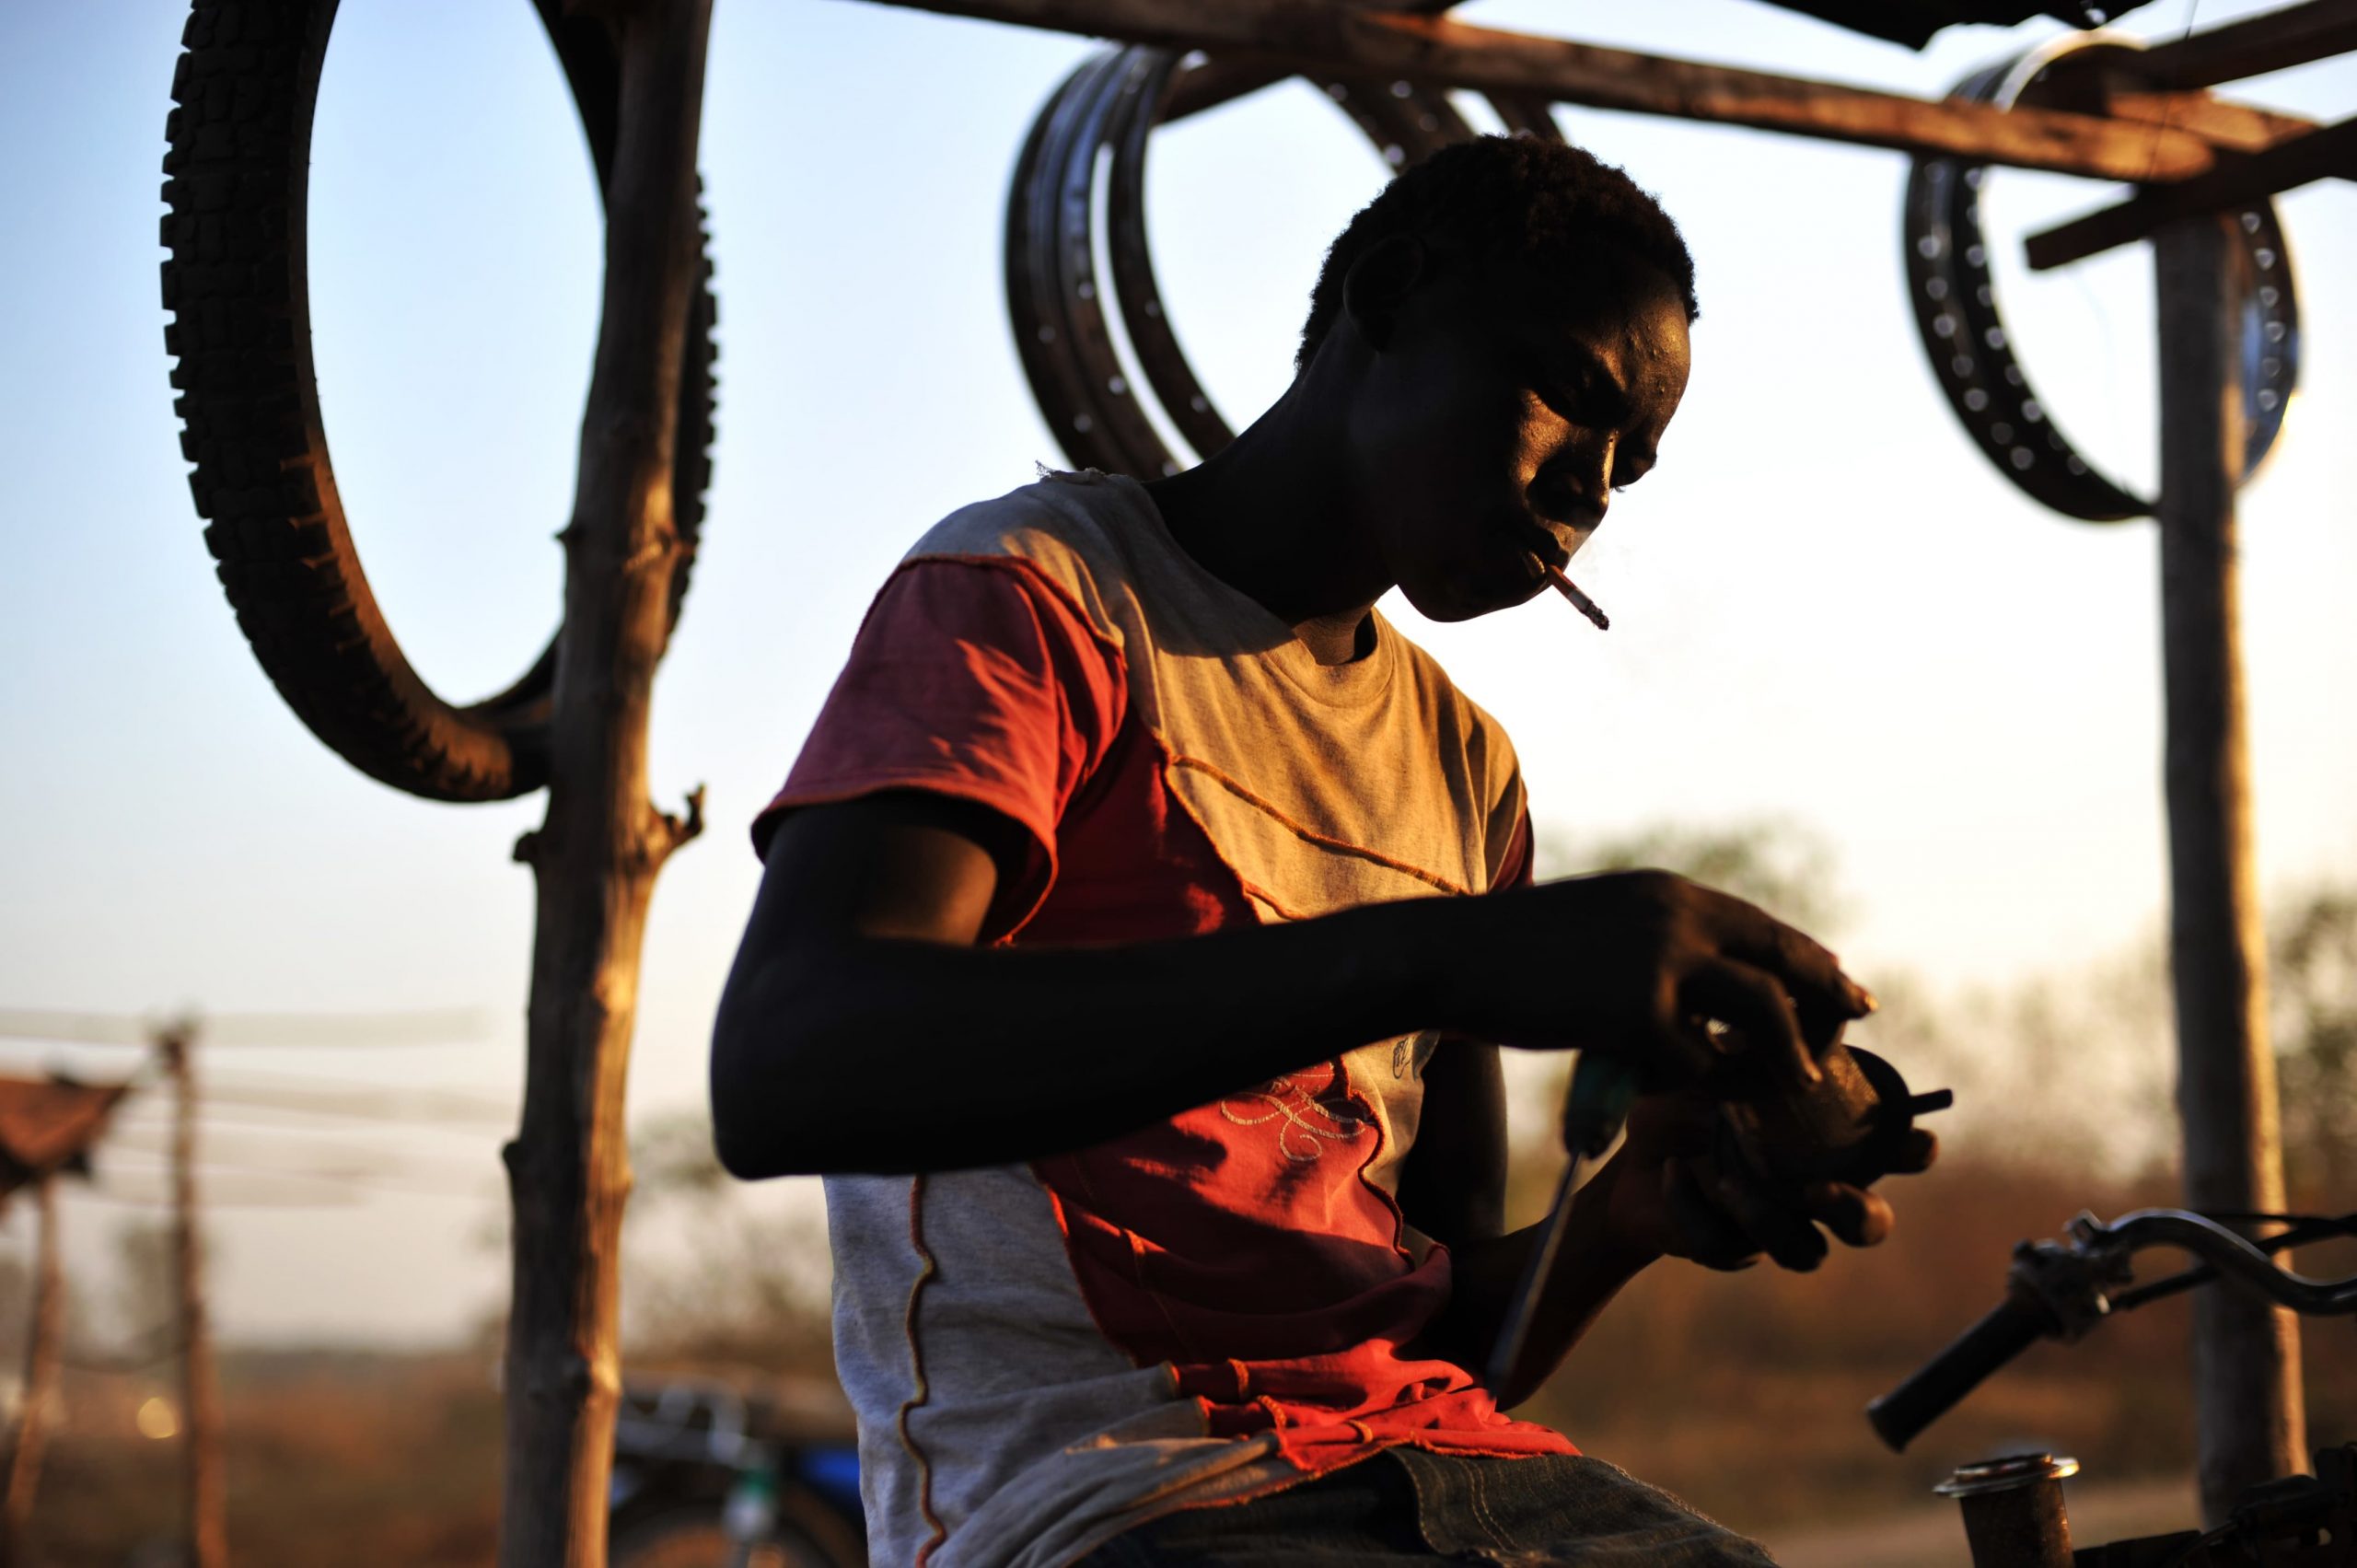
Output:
x,y
1916,1155
1756,1008
1859,1217
1683,1053
1704,1235
1676,1124
1806,970
1783,1233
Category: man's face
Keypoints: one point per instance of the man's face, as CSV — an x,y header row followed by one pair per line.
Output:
x,y
1502,410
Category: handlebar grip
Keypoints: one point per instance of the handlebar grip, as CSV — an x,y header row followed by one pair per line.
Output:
x,y
2016,1324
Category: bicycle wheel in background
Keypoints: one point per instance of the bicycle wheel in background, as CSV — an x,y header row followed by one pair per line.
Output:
x,y
238,174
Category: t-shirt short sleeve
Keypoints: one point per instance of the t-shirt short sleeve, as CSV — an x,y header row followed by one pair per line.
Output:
x,y
1517,867
972,677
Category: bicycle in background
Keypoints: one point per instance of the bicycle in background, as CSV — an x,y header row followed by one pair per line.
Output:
x,y
2014,1515
707,1475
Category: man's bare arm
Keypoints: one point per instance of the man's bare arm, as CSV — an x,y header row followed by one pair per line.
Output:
x,y
861,1031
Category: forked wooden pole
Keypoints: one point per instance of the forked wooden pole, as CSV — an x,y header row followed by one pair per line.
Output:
x,y
596,858
44,1348
2245,1352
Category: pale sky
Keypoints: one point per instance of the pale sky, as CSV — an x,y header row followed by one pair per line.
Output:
x,y
1827,608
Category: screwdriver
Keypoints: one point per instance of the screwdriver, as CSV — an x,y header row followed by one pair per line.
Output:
x,y
1603,1090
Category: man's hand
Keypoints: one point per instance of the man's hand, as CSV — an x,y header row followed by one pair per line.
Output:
x,y
1644,965
1678,1188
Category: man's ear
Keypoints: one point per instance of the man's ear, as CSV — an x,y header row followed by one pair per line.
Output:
x,y
1379,283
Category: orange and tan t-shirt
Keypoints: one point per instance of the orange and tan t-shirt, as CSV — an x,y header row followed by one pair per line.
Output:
x,y
1220,1305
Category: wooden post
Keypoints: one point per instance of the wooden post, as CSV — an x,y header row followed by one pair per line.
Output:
x,y
44,1345
595,856
2245,1352
208,1530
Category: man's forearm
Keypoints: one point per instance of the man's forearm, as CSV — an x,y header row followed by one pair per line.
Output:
x,y
1589,1271
832,1058
861,1031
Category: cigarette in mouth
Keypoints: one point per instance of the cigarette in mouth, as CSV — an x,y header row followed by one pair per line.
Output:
x,y
1580,602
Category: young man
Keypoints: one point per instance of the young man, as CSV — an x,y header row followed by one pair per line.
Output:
x,y
1125,892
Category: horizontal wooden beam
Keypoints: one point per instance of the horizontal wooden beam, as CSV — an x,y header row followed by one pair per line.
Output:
x,y
2272,40
2221,122
1229,76
1328,39
1221,80
2317,154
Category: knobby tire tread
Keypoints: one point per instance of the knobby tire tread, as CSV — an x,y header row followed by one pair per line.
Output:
x,y
235,183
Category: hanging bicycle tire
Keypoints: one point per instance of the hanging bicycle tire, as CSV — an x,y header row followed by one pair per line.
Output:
x,y
236,183
1088,146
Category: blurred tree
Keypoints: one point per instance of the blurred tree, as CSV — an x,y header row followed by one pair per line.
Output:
x,y
2067,1072
135,1330
1786,867
145,1281
2313,981
672,1156
739,1277
15,1303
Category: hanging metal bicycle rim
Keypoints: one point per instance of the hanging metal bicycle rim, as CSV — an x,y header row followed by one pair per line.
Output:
x,y
1954,300
1106,112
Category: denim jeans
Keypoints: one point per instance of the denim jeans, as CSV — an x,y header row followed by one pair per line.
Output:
x,y
1405,1505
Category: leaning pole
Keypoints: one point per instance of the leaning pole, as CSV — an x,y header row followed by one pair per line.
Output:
x,y
2246,1351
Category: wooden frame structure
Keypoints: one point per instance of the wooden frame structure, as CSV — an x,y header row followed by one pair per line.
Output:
x,y
2144,136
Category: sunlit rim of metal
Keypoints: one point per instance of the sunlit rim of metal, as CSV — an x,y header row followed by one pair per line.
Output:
x,y
1954,296
1105,113
2010,1473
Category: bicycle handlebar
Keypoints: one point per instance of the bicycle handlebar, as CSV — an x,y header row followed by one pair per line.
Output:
x,y
2064,1290
2233,1258
2015,1324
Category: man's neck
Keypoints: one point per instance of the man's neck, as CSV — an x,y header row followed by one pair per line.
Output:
x,y
1270,515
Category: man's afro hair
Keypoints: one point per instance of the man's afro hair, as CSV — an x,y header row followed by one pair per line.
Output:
x,y
1505,196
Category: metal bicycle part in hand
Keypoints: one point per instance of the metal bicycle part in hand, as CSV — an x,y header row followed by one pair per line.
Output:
x,y
1854,1124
